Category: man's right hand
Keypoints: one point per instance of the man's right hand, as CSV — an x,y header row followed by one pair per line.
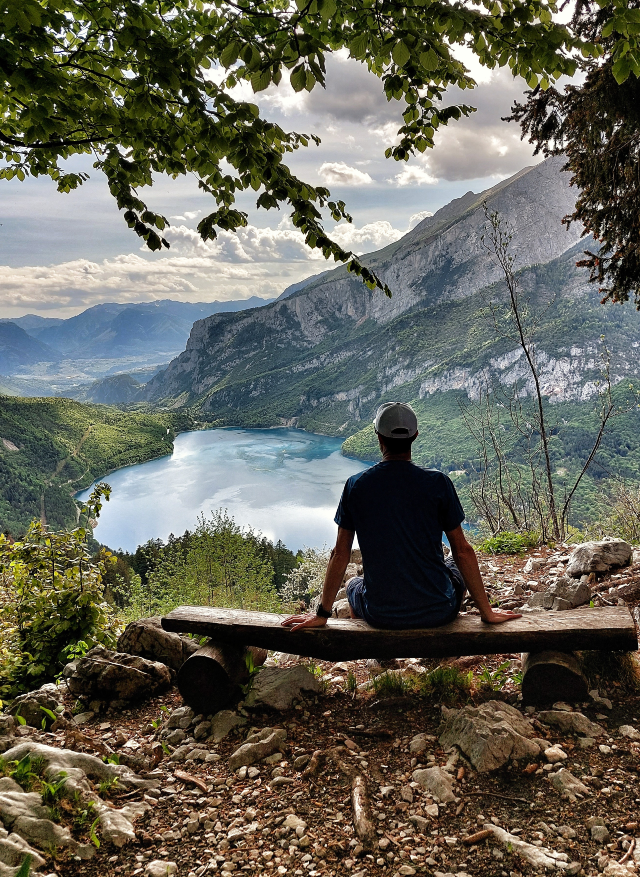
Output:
x,y
309,620
499,616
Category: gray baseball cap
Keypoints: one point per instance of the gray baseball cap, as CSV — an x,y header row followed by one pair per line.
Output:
x,y
396,420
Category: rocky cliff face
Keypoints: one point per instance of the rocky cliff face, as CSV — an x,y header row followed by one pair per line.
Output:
x,y
336,347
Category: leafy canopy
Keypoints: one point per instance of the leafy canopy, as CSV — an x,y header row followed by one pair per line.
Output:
x,y
597,126
146,87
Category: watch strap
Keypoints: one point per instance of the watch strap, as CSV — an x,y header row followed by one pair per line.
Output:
x,y
321,612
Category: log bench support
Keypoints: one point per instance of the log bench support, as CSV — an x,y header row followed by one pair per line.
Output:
x,y
550,670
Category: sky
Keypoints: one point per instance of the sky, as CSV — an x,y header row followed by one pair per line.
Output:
x,y
62,253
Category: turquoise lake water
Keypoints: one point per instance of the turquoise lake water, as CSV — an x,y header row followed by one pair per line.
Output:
x,y
286,483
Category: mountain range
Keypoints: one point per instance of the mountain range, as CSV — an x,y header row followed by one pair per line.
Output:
x,y
107,331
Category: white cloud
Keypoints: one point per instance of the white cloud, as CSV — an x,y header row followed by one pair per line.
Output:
x,y
414,175
187,216
341,174
418,217
370,237
255,261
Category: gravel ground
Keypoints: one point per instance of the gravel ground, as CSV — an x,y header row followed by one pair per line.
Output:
x,y
189,820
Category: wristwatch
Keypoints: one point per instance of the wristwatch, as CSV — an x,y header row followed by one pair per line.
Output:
x,y
321,612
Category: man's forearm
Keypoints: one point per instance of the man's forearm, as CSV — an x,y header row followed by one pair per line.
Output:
x,y
333,578
467,563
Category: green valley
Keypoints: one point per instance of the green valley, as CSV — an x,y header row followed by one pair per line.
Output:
x,y
51,448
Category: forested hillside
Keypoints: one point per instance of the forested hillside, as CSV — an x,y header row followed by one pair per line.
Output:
x,y
50,448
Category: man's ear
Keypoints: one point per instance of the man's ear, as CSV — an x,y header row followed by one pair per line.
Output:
x,y
380,442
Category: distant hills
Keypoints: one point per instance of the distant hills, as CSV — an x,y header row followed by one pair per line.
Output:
x,y
107,331
18,349
50,448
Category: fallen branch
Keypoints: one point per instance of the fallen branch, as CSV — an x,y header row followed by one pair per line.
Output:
x,y
361,808
629,852
496,795
187,778
360,805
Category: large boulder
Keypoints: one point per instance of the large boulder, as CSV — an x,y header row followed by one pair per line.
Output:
x,y
146,638
278,687
105,675
489,735
602,556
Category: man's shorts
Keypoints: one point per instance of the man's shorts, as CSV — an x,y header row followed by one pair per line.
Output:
x,y
355,588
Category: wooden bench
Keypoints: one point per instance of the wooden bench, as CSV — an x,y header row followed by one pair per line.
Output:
x,y
546,638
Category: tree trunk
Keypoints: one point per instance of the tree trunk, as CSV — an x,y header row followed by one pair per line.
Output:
x,y
210,679
551,676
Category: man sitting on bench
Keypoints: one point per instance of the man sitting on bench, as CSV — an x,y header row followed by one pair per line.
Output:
x,y
399,511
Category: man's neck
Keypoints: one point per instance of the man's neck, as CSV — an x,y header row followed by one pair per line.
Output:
x,y
392,458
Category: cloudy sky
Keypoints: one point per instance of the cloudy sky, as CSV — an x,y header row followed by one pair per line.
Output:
x,y
60,254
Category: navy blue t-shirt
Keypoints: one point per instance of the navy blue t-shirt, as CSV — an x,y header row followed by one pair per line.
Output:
x,y
399,511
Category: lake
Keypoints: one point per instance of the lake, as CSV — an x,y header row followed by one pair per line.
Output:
x,y
286,483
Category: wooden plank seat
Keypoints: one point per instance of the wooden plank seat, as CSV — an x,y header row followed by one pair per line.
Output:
x,y
609,628
210,677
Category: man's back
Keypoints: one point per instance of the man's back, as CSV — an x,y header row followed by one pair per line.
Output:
x,y
399,512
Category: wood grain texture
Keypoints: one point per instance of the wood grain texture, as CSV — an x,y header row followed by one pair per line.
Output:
x,y
606,628
210,678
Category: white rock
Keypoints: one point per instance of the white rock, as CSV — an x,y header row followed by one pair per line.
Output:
x,y
294,822
568,785
432,810
599,556
224,722
278,687
629,731
555,754
436,781
160,868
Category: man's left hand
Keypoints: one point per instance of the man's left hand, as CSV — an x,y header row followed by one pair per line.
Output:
x,y
499,616
310,620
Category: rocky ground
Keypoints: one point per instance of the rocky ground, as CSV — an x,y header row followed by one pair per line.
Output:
x,y
565,798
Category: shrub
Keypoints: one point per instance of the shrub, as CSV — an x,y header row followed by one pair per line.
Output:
x,y
51,598
445,684
306,580
219,564
507,542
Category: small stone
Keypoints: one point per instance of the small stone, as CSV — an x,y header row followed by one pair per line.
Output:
x,y
555,754
202,730
420,742
600,834
351,745
406,870
567,785
301,762
281,781
387,791
629,731
253,772
223,723
436,781
175,737
585,742
406,794
383,843
606,750
432,810
160,868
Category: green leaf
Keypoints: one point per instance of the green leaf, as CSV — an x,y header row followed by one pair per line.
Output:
x,y
298,78
25,867
261,80
622,68
401,53
358,46
430,60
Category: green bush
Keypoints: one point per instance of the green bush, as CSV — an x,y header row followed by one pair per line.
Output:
x,y
51,598
507,542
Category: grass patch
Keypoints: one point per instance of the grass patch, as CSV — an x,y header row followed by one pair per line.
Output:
x,y
392,684
507,542
446,684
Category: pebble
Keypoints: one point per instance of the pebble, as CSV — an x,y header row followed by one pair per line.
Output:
x,y
555,754
160,868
